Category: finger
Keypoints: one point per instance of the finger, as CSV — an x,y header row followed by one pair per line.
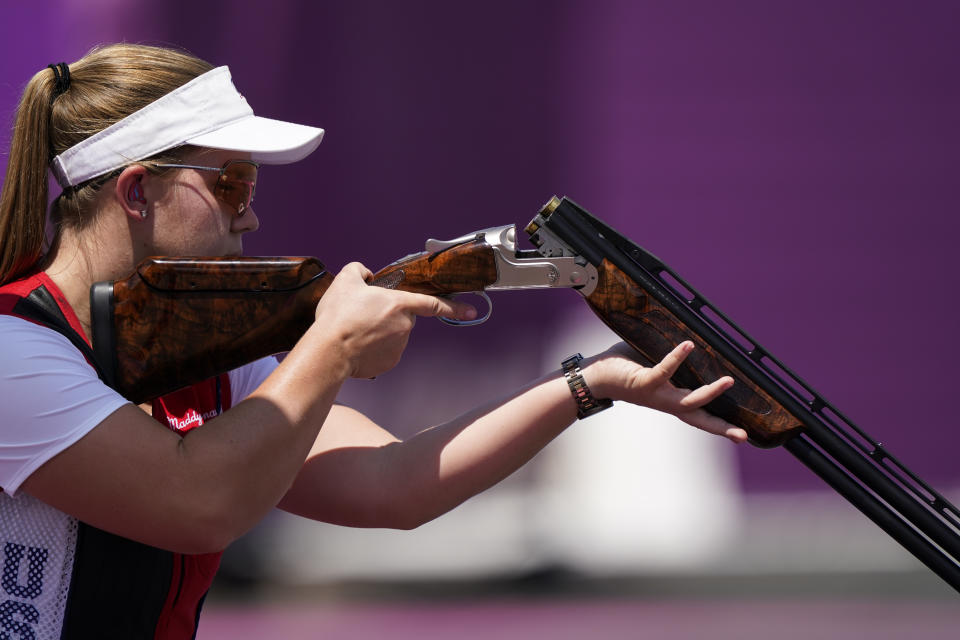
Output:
x,y
358,270
626,351
671,362
712,424
460,310
431,306
707,393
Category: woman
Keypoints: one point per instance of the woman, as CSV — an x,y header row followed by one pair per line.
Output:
x,y
112,524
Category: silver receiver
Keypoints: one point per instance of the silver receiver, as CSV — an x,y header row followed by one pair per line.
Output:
x,y
517,272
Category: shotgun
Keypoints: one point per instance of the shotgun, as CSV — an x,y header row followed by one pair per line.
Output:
x,y
231,311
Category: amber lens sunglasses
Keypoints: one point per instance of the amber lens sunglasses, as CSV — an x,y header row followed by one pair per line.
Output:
x,y
235,185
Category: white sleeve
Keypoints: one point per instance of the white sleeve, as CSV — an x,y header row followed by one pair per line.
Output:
x,y
51,397
243,380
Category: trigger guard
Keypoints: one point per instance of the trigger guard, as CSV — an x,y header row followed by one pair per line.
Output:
x,y
469,323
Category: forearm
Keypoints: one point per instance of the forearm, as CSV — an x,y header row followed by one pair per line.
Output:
x,y
472,453
359,475
248,458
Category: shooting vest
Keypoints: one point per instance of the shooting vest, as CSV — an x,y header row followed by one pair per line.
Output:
x,y
65,579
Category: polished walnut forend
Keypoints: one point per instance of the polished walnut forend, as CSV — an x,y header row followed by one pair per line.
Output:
x,y
178,321
653,331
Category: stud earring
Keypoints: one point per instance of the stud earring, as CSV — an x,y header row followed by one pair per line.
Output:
x,y
143,214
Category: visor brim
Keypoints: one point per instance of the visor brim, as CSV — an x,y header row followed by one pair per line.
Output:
x,y
268,141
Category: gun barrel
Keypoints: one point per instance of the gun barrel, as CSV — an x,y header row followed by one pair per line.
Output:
x,y
778,408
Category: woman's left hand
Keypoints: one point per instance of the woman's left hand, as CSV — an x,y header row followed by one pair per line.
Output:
x,y
614,374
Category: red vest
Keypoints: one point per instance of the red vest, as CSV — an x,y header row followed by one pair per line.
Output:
x,y
121,588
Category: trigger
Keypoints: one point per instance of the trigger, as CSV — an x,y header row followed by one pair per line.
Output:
x,y
470,323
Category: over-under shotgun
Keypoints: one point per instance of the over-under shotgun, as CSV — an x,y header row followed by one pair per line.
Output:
x,y
177,321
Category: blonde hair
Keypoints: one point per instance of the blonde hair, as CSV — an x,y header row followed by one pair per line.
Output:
x,y
106,85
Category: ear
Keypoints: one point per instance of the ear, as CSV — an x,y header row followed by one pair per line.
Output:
x,y
130,193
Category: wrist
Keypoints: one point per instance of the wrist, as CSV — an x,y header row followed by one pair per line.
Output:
x,y
596,372
324,352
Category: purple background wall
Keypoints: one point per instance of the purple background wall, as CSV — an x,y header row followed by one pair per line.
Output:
x,y
795,161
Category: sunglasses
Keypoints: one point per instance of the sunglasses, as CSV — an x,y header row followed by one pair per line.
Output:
x,y
236,183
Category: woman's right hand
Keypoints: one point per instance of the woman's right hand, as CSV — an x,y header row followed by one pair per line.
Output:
x,y
371,325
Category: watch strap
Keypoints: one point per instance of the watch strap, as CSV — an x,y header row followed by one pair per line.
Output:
x,y
587,405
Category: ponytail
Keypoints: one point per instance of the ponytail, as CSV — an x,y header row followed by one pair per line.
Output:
x,y
23,202
105,86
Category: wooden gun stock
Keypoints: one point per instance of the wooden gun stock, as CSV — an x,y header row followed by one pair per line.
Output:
x,y
177,321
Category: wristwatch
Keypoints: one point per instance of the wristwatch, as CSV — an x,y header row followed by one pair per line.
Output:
x,y
587,405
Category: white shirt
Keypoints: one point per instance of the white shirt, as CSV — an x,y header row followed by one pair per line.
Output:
x,y
50,397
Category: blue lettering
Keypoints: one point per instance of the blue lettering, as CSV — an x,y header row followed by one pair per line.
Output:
x,y
13,557
9,625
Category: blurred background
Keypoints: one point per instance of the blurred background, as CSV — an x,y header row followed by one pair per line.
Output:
x,y
794,161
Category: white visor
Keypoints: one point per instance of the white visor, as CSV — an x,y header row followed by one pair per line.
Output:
x,y
208,112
